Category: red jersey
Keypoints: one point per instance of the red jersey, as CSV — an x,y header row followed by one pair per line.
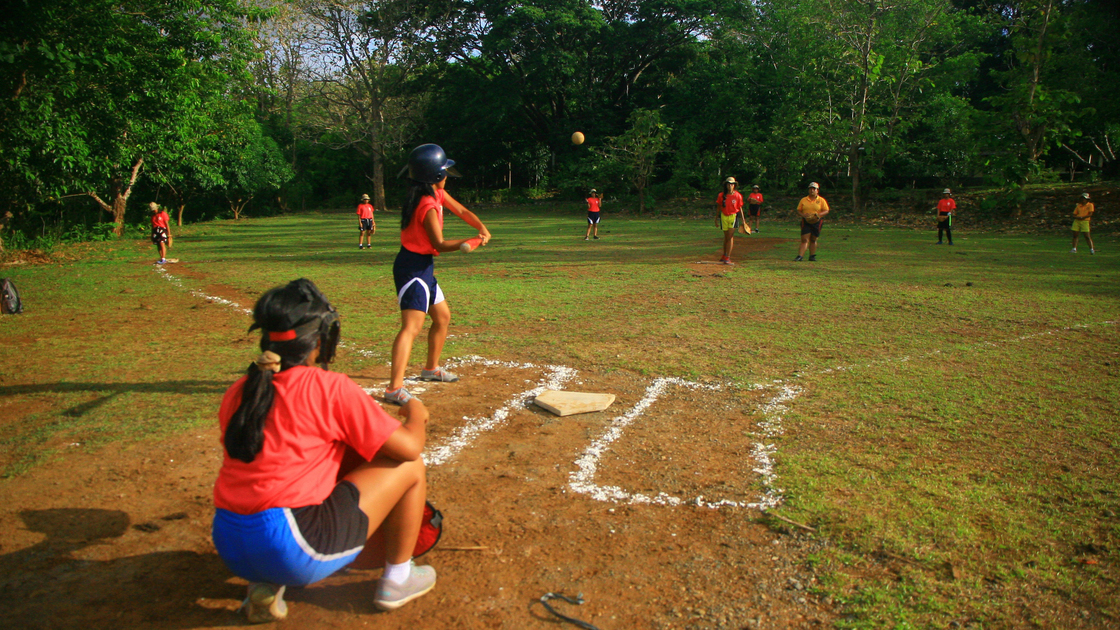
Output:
x,y
732,204
365,211
593,204
946,206
160,220
414,238
755,199
314,416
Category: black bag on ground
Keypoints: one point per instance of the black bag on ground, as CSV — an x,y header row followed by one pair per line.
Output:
x,y
9,298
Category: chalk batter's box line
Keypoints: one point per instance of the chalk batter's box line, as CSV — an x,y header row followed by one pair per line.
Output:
x,y
581,480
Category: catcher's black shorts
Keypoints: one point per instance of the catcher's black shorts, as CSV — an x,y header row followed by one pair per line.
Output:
x,y
367,224
754,210
159,235
813,229
593,217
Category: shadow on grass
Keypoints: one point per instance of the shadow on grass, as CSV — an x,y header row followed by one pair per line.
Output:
x,y
112,390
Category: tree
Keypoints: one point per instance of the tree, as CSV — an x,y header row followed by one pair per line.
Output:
x,y
635,152
367,54
101,86
254,165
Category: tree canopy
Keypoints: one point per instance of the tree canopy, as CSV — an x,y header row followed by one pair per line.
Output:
x,y
104,98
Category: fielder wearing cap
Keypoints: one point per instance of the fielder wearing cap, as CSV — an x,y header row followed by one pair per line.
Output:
x,y
812,209
754,206
366,226
945,208
1081,215
729,202
594,199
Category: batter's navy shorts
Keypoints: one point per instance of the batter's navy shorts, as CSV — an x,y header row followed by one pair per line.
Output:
x,y
414,275
811,228
294,547
593,217
367,224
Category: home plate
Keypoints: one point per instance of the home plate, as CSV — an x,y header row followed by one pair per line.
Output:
x,y
568,403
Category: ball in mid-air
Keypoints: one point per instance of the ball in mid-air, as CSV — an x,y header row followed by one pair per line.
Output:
x,y
577,137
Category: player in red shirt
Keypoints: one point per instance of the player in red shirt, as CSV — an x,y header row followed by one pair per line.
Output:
x,y
287,513
161,231
418,293
754,206
366,226
594,201
945,209
730,206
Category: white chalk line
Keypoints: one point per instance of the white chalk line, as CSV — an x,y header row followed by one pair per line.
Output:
x,y
581,481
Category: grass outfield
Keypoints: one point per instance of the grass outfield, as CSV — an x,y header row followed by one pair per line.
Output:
x,y
956,440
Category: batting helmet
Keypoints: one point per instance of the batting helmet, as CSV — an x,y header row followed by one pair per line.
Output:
x,y
429,164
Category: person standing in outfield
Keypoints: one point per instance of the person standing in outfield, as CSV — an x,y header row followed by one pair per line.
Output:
x,y
1081,214
594,199
414,271
366,227
161,231
287,512
754,206
812,210
945,209
730,206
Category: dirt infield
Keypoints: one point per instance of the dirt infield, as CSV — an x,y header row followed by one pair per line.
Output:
x,y
119,538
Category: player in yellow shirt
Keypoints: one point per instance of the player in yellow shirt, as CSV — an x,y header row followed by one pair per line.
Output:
x,y
812,210
1081,213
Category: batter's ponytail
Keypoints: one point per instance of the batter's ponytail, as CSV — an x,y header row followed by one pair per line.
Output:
x,y
416,192
294,320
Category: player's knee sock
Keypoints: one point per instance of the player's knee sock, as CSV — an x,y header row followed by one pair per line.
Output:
x,y
397,572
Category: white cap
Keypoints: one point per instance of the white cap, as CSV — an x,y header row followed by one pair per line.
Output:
x,y
753,186
730,180
814,185
946,192
1085,195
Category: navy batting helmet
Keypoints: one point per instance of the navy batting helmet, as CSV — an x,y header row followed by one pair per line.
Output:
x,y
429,164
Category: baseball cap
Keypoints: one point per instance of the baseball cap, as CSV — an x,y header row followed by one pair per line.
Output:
x,y
946,192
814,185
1085,195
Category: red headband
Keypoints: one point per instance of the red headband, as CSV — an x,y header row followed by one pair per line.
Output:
x,y
287,335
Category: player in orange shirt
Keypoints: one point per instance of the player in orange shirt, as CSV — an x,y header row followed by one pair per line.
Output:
x,y
418,293
161,231
594,206
366,226
1081,214
290,509
730,206
812,210
945,209
754,206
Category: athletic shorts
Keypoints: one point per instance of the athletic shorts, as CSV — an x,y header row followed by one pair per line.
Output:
x,y
414,275
754,210
1080,225
593,217
947,219
367,224
159,235
295,547
813,229
728,221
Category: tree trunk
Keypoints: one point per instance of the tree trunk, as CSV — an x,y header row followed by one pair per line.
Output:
x,y
641,200
179,214
121,193
378,180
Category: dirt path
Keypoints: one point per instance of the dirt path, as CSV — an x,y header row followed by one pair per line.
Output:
x,y
119,538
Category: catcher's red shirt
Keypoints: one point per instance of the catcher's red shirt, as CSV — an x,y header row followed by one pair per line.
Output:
x,y
315,415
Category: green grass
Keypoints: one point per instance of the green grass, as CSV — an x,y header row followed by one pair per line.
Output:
x,y
965,457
